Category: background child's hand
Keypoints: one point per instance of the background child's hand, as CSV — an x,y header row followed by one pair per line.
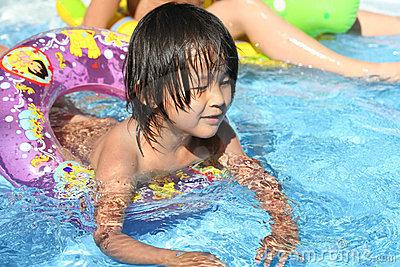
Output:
x,y
190,259
283,240
389,71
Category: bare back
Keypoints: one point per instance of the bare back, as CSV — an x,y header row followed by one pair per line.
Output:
x,y
137,8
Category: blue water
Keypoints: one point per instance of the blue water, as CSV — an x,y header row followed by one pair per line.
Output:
x,y
333,142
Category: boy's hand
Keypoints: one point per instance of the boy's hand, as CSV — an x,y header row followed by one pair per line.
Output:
x,y
190,259
283,240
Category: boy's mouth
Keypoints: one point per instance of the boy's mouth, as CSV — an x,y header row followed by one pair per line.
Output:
x,y
218,115
213,119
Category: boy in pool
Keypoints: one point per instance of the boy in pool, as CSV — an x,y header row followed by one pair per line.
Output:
x,y
275,37
180,82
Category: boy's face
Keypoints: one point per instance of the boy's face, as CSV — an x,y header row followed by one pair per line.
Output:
x,y
208,106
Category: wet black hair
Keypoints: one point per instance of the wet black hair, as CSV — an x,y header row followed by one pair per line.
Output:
x,y
43,73
171,47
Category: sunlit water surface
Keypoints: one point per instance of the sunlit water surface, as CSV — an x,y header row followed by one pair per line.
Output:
x,y
334,143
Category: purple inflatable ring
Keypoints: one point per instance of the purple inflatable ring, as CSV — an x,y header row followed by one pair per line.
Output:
x,y
32,76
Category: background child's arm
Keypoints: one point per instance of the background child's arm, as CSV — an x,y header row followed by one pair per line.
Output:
x,y
3,49
249,172
100,12
281,41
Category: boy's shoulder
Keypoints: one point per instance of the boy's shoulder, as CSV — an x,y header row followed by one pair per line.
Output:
x,y
225,131
119,144
123,133
226,140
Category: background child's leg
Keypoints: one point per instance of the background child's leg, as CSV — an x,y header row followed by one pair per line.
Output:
x,y
373,24
281,41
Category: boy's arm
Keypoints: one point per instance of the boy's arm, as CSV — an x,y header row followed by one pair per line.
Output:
x,y
115,170
100,12
284,231
249,172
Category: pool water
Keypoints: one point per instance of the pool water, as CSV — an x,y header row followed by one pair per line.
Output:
x,y
333,142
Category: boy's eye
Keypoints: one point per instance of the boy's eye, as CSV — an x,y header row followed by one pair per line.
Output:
x,y
225,81
200,88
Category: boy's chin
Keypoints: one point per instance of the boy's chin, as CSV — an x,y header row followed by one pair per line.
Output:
x,y
206,133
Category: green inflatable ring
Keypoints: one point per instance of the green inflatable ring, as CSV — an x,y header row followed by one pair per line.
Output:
x,y
317,17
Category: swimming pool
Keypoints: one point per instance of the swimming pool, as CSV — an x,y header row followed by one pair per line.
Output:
x,y
333,142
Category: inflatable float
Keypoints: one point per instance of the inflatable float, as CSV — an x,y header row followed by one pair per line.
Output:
x,y
317,17
312,17
32,76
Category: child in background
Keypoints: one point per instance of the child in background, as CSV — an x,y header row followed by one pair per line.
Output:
x,y
180,82
275,37
3,49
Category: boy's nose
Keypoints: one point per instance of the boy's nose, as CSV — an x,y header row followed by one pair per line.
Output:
x,y
216,97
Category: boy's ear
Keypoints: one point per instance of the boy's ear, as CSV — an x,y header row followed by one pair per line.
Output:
x,y
152,104
141,98
136,88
